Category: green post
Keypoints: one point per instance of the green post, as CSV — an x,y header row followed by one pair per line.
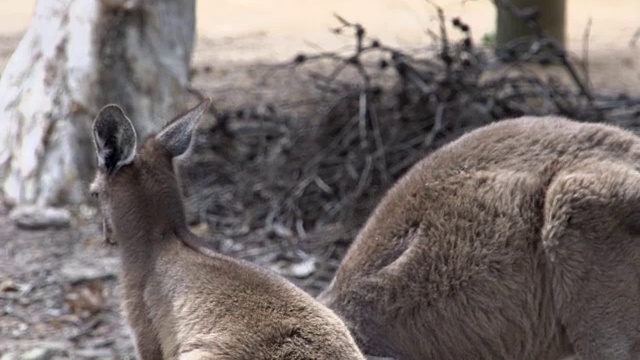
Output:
x,y
552,20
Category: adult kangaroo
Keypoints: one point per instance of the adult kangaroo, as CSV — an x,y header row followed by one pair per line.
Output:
x,y
520,240
182,303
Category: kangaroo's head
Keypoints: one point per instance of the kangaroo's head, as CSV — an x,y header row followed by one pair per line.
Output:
x,y
136,187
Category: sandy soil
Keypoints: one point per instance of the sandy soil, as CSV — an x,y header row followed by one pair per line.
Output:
x,y
43,307
246,31
252,30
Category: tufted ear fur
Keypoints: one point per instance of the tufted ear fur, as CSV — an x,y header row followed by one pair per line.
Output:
x,y
114,137
176,136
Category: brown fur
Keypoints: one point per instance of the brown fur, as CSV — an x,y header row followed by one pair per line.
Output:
x,y
521,240
182,304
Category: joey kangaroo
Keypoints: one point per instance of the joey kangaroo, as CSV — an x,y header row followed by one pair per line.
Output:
x,y
520,240
179,302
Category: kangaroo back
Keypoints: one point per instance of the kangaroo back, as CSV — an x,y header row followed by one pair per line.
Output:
x,y
517,241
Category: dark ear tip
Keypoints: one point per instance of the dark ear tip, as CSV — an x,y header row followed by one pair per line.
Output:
x,y
111,107
110,110
110,115
203,105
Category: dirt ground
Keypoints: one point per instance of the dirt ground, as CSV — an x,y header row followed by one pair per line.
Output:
x,y
58,288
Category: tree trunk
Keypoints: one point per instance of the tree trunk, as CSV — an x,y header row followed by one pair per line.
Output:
x,y
551,19
77,56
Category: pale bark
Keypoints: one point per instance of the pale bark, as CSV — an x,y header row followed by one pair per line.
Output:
x,y
77,56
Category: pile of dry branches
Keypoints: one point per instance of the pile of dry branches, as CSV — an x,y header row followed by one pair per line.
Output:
x,y
380,109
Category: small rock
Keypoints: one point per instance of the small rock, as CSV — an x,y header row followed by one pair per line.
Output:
x,y
75,270
282,231
39,354
87,212
299,270
37,218
13,355
94,354
200,229
228,245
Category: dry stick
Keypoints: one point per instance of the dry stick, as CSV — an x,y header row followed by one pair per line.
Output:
x,y
87,328
344,22
364,177
337,71
410,73
359,38
380,149
362,119
322,185
311,169
634,38
445,55
585,52
437,125
313,164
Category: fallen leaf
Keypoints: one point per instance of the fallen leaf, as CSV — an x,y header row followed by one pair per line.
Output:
x,y
8,285
86,298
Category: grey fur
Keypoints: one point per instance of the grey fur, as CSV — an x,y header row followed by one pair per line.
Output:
x,y
176,137
520,240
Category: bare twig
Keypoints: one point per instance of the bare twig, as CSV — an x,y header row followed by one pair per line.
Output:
x,y
585,52
362,119
86,328
634,38
437,125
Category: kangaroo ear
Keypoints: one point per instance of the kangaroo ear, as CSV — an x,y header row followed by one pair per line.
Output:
x,y
176,136
115,138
